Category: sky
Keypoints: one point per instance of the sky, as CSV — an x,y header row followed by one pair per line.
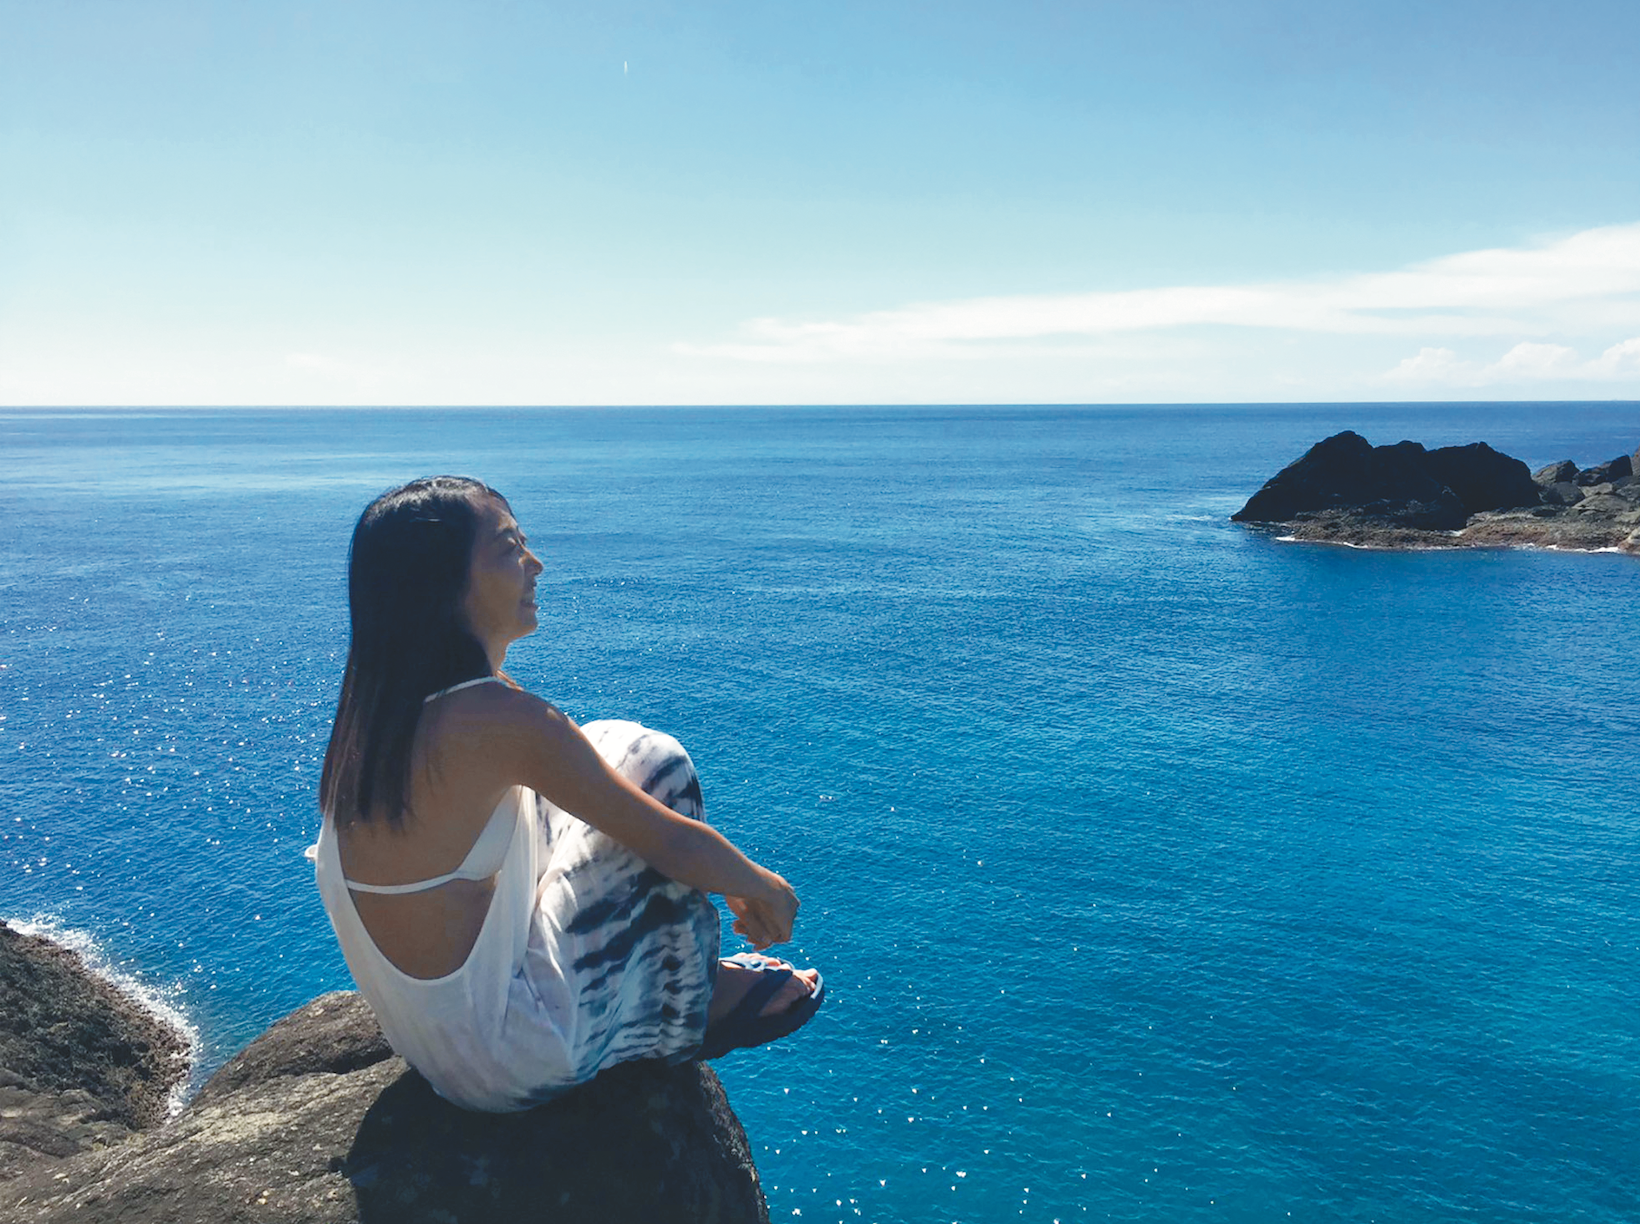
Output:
x,y
499,202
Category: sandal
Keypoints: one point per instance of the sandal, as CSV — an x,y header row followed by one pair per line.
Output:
x,y
744,1026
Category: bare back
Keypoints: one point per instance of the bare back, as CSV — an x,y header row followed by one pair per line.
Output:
x,y
453,794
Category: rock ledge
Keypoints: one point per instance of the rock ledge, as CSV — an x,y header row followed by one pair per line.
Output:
x,y
317,1121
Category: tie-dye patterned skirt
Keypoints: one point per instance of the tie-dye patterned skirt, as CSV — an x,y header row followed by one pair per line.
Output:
x,y
638,951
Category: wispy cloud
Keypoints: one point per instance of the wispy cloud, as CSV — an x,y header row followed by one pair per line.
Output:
x,y
1526,362
1589,278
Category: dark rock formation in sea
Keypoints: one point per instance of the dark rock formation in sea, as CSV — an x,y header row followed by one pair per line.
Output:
x,y
317,1121
82,1066
1345,490
1401,485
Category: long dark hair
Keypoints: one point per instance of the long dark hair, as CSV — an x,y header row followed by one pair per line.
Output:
x,y
406,573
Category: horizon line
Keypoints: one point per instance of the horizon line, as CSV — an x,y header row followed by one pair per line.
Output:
x,y
837,404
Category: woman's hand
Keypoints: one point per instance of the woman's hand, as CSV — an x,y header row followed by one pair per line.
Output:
x,y
765,919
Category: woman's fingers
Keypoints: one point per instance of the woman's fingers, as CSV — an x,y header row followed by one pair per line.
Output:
x,y
767,918
755,923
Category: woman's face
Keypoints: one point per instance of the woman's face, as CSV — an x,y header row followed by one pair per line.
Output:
x,y
499,602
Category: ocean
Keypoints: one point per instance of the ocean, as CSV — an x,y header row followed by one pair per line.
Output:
x,y
1159,870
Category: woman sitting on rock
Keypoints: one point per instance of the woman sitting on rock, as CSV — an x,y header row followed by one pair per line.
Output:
x,y
521,900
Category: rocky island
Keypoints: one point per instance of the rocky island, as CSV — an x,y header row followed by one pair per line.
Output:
x,y
318,1121
1344,490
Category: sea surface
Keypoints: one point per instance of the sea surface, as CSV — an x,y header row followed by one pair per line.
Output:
x,y
1159,870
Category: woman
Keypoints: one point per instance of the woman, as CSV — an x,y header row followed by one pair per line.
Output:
x,y
520,901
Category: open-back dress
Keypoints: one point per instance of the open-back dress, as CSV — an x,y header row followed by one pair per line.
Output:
x,y
587,956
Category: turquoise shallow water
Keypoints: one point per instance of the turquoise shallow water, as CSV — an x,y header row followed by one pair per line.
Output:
x,y
1159,870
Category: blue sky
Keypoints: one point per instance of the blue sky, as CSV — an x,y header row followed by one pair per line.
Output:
x,y
360,202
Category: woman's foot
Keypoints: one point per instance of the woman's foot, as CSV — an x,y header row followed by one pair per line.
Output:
x,y
734,980
758,999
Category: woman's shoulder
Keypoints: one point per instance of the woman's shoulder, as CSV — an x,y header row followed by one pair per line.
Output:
x,y
481,737
485,711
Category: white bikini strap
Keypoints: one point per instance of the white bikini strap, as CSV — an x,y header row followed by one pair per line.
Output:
x,y
394,890
456,688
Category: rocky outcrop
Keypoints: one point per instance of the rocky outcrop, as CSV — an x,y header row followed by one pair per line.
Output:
x,y
1345,490
1611,470
1347,474
317,1121
82,1067
1483,479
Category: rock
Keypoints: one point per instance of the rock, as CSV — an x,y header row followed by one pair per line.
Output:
x,y
1344,490
82,1065
1345,473
1560,529
1606,472
1602,500
1562,493
1555,473
1483,479
316,1121
335,1034
38,1128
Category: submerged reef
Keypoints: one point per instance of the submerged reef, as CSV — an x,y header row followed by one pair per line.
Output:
x,y
318,1121
1344,490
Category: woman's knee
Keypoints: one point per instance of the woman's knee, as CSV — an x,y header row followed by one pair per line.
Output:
x,y
653,761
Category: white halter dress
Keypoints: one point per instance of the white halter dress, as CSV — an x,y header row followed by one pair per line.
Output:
x,y
615,963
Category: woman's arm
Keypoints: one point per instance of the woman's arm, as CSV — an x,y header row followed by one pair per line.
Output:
x,y
543,749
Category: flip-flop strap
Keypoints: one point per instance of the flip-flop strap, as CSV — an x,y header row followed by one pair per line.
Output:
x,y
757,996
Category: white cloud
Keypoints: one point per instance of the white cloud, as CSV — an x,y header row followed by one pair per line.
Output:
x,y
1502,292
1525,362
1619,360
1430,365
1528,360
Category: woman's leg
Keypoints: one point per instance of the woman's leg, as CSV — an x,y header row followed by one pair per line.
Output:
x,y
638,950
658,765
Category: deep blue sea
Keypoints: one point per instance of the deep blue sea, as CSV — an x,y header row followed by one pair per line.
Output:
x,y
1159,870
